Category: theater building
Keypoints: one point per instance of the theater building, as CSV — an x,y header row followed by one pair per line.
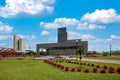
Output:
x,y
64,46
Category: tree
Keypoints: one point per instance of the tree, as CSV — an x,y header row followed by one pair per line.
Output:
x,y
80,50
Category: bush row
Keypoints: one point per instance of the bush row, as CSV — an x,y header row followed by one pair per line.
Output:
x,y
95,69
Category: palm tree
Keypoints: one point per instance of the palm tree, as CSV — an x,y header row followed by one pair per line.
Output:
x,y
80,50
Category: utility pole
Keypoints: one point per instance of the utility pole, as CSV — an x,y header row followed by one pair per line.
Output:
x,y
110,49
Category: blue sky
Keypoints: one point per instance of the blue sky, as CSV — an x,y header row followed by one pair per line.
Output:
x,y
96,21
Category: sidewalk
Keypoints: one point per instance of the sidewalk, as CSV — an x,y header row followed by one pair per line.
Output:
x,y
101,60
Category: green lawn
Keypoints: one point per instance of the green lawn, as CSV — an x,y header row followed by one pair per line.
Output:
x,y
28,69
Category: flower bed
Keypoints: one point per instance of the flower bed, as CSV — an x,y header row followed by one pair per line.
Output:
x,y
79,70
73,69
105,67
67,68
118,69
94,69
103,71
86,70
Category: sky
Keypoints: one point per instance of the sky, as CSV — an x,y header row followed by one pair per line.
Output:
x,y
36,21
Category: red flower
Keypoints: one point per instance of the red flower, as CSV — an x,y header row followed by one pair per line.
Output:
x,y
95,69
66,68
111,68
62,67
79,70
86,70
103,71
111,71
58,65
105,67
73,69
118,69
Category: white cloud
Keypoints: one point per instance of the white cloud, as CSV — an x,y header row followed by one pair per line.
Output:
x,y
89,21
60,22
89,26
32,7
75,35
70,22
101,16
103,40
5,37
4,28
115,37
28,37
45,33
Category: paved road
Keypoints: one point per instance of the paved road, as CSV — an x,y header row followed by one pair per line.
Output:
x,y
101,60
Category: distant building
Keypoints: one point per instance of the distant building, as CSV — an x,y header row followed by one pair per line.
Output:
x,y
64,46
62,35
19,44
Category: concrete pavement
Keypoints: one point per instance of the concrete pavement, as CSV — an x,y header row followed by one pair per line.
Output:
x,y
102,60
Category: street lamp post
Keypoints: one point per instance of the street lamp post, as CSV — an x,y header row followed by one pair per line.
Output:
x,y
76,41
110,49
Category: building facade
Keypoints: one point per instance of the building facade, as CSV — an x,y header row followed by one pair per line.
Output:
x,y
62,35
64,46
19,44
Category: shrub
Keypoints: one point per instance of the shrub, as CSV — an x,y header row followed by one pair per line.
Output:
x,y
58,65
79,70
88,64
75,62
98,66
111,68
73,69
20,58
86,70
84,63
92,65
118,69
111,71
69,61
95,69
105,67
81,63
62,67
66,68
103,71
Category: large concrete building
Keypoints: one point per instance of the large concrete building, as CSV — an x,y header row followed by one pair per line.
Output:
x,y
64,46
19,44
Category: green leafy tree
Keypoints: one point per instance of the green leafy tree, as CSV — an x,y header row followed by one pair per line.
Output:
x,y
80,50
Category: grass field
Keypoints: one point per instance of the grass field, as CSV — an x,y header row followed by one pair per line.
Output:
x,y
28,69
